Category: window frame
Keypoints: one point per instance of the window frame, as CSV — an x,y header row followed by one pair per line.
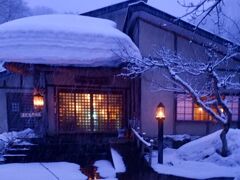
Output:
x,y
193,107
91,92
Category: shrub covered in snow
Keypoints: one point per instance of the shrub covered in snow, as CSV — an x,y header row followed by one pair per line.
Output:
x,y
207,149
8,138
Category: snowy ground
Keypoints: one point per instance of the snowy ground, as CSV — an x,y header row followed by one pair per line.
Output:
x,y
41,171
199,159
118,161
106,169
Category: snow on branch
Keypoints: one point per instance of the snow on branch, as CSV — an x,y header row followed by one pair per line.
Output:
x,y
201,9
199,78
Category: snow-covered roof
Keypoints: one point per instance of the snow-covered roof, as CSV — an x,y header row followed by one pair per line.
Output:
x,y
64,40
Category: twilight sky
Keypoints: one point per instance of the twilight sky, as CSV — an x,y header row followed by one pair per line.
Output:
x,y
230,8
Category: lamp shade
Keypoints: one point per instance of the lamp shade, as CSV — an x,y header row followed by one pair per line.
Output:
x,y
38,101
160,112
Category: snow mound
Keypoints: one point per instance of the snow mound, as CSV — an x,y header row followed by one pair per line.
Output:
x,y
64,40
105,169
206,149
118,161
199,159
13,137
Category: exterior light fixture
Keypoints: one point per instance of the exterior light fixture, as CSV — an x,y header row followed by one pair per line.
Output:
x,y
160,112
160,116
38,100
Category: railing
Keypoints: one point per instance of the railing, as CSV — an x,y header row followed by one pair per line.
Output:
x,y
142,144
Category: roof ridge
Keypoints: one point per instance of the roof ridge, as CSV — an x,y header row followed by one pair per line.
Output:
x,y
179,22
111,8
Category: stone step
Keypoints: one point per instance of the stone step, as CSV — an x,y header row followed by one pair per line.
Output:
x,y
13,158
24,145
17,151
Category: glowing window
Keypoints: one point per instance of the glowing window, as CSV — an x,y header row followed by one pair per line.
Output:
x,y
188,110
90,112
184,107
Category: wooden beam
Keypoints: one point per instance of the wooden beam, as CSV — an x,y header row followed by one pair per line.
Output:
x,y
18,68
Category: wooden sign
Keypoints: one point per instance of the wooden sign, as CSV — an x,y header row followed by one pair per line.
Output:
x,y
31,115
90,80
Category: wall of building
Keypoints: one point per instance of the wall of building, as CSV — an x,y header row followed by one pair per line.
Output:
x,y
150,39
11,83
118,16
85,79
152,36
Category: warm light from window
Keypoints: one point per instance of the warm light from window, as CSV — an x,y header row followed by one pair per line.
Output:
x,y
200,109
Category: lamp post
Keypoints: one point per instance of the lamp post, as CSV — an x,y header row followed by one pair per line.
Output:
x,y
160,116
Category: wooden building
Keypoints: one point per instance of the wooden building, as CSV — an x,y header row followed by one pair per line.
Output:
x,y
95,99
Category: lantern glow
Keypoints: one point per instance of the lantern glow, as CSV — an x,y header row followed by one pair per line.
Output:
x,y
160,112
38,101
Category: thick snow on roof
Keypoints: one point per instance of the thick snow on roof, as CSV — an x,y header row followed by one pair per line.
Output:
x,y
64,40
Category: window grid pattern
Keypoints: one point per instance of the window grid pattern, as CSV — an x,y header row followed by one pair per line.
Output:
x,y
83,111
233,105
184,107
66,110
90,112
15,107
100,112
115,111
187,110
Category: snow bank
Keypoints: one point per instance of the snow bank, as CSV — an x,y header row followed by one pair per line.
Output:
x,y
206,148
12,137
198,159
191,169
179,137
9,136
64,40
118,161
105,169
41,171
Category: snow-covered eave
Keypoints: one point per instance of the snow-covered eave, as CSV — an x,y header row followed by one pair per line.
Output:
x,y
64,40
26,68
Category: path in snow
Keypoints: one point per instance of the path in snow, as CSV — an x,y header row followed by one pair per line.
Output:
x,y
136,166
138,169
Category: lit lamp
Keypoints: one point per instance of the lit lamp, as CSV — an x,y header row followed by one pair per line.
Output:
x,y
38,101
160,116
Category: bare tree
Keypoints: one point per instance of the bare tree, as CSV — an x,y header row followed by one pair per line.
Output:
x,y
201,9
212,14
12,9
203,80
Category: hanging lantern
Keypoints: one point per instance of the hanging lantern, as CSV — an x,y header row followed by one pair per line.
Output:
x,y
160,112
38,101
